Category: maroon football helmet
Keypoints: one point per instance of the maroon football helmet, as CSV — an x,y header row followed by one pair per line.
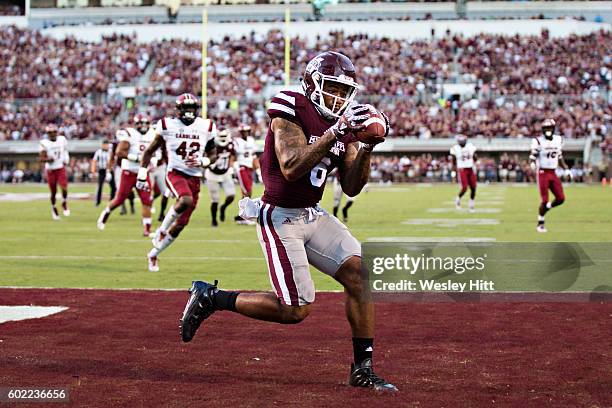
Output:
x,y
548,128
330,68
142,122
187,105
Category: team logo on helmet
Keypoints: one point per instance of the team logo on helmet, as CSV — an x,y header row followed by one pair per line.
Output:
x,y
329,82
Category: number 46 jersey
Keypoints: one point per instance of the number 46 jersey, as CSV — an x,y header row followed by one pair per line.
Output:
x,y
186,142
547,152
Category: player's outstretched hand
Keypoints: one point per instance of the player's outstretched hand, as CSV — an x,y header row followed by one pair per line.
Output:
x,y
351,120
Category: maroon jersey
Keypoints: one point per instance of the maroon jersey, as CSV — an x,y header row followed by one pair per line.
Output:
x,y
224,153
308,190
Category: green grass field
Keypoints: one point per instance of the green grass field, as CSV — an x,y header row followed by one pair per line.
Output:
x,y
36,251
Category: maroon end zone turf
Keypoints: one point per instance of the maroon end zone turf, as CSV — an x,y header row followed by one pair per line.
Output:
x,y
120,348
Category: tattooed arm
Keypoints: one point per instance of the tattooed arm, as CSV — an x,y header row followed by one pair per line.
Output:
x,y
354,170
295,156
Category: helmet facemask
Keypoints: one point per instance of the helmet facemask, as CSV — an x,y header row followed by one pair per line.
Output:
x,y
338,103
142,125
222,139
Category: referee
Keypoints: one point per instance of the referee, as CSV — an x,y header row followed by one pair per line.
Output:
x,y
99,163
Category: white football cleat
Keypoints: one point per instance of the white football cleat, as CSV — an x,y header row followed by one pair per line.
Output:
x,y
54,216
158,237
458,203
101,225
471,210
153,265
66,213
541,228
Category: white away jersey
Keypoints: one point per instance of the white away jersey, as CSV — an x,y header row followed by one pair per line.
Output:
x,y
547,152
245,151
184,142
138,144
56,150
464,155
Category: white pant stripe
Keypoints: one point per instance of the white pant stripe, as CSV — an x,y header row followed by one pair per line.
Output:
x,y
278,268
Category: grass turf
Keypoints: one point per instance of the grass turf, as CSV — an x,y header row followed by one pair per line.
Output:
x,y
36,251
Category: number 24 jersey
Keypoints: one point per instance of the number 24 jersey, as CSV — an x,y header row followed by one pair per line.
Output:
x,y
184,142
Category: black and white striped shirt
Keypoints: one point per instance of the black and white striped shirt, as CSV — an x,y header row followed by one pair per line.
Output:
x,y
101,157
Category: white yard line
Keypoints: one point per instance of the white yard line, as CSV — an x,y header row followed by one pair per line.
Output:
x,y
430,239
454,210
109,258
451,222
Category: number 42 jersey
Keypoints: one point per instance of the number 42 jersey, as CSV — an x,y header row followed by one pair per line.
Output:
x,y
186,142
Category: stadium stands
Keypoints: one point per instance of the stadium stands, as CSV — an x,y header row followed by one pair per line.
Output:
x,y
516,81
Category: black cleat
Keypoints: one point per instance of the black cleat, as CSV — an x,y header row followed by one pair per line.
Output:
x,y
214,223
199,307
363,376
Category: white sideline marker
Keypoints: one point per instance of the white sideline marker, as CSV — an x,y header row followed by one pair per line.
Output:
x,y
17,313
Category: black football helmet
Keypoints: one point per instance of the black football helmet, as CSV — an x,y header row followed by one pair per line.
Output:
x,y
330,68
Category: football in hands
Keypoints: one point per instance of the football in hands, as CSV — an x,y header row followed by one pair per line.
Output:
x,y
375,127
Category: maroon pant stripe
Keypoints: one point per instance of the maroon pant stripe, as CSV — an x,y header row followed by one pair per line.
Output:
x,y
284,260
271,269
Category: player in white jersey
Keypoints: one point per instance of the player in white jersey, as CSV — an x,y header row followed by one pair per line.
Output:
x,y
219,175
464,157
132,143
546,156
246,162
188,141
54,153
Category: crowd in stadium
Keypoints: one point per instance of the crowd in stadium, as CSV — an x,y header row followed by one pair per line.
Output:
x,y
518,81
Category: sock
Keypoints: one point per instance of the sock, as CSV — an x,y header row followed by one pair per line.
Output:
x,y
336,211
54,210
168,239
104,215
213,211
540,220
224,300
64,204
146,223
548,205
346,208
164,204
362,349
169,219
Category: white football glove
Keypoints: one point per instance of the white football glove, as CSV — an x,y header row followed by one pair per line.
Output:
x,y
568,174
108,177
351,120
533,166
141,179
